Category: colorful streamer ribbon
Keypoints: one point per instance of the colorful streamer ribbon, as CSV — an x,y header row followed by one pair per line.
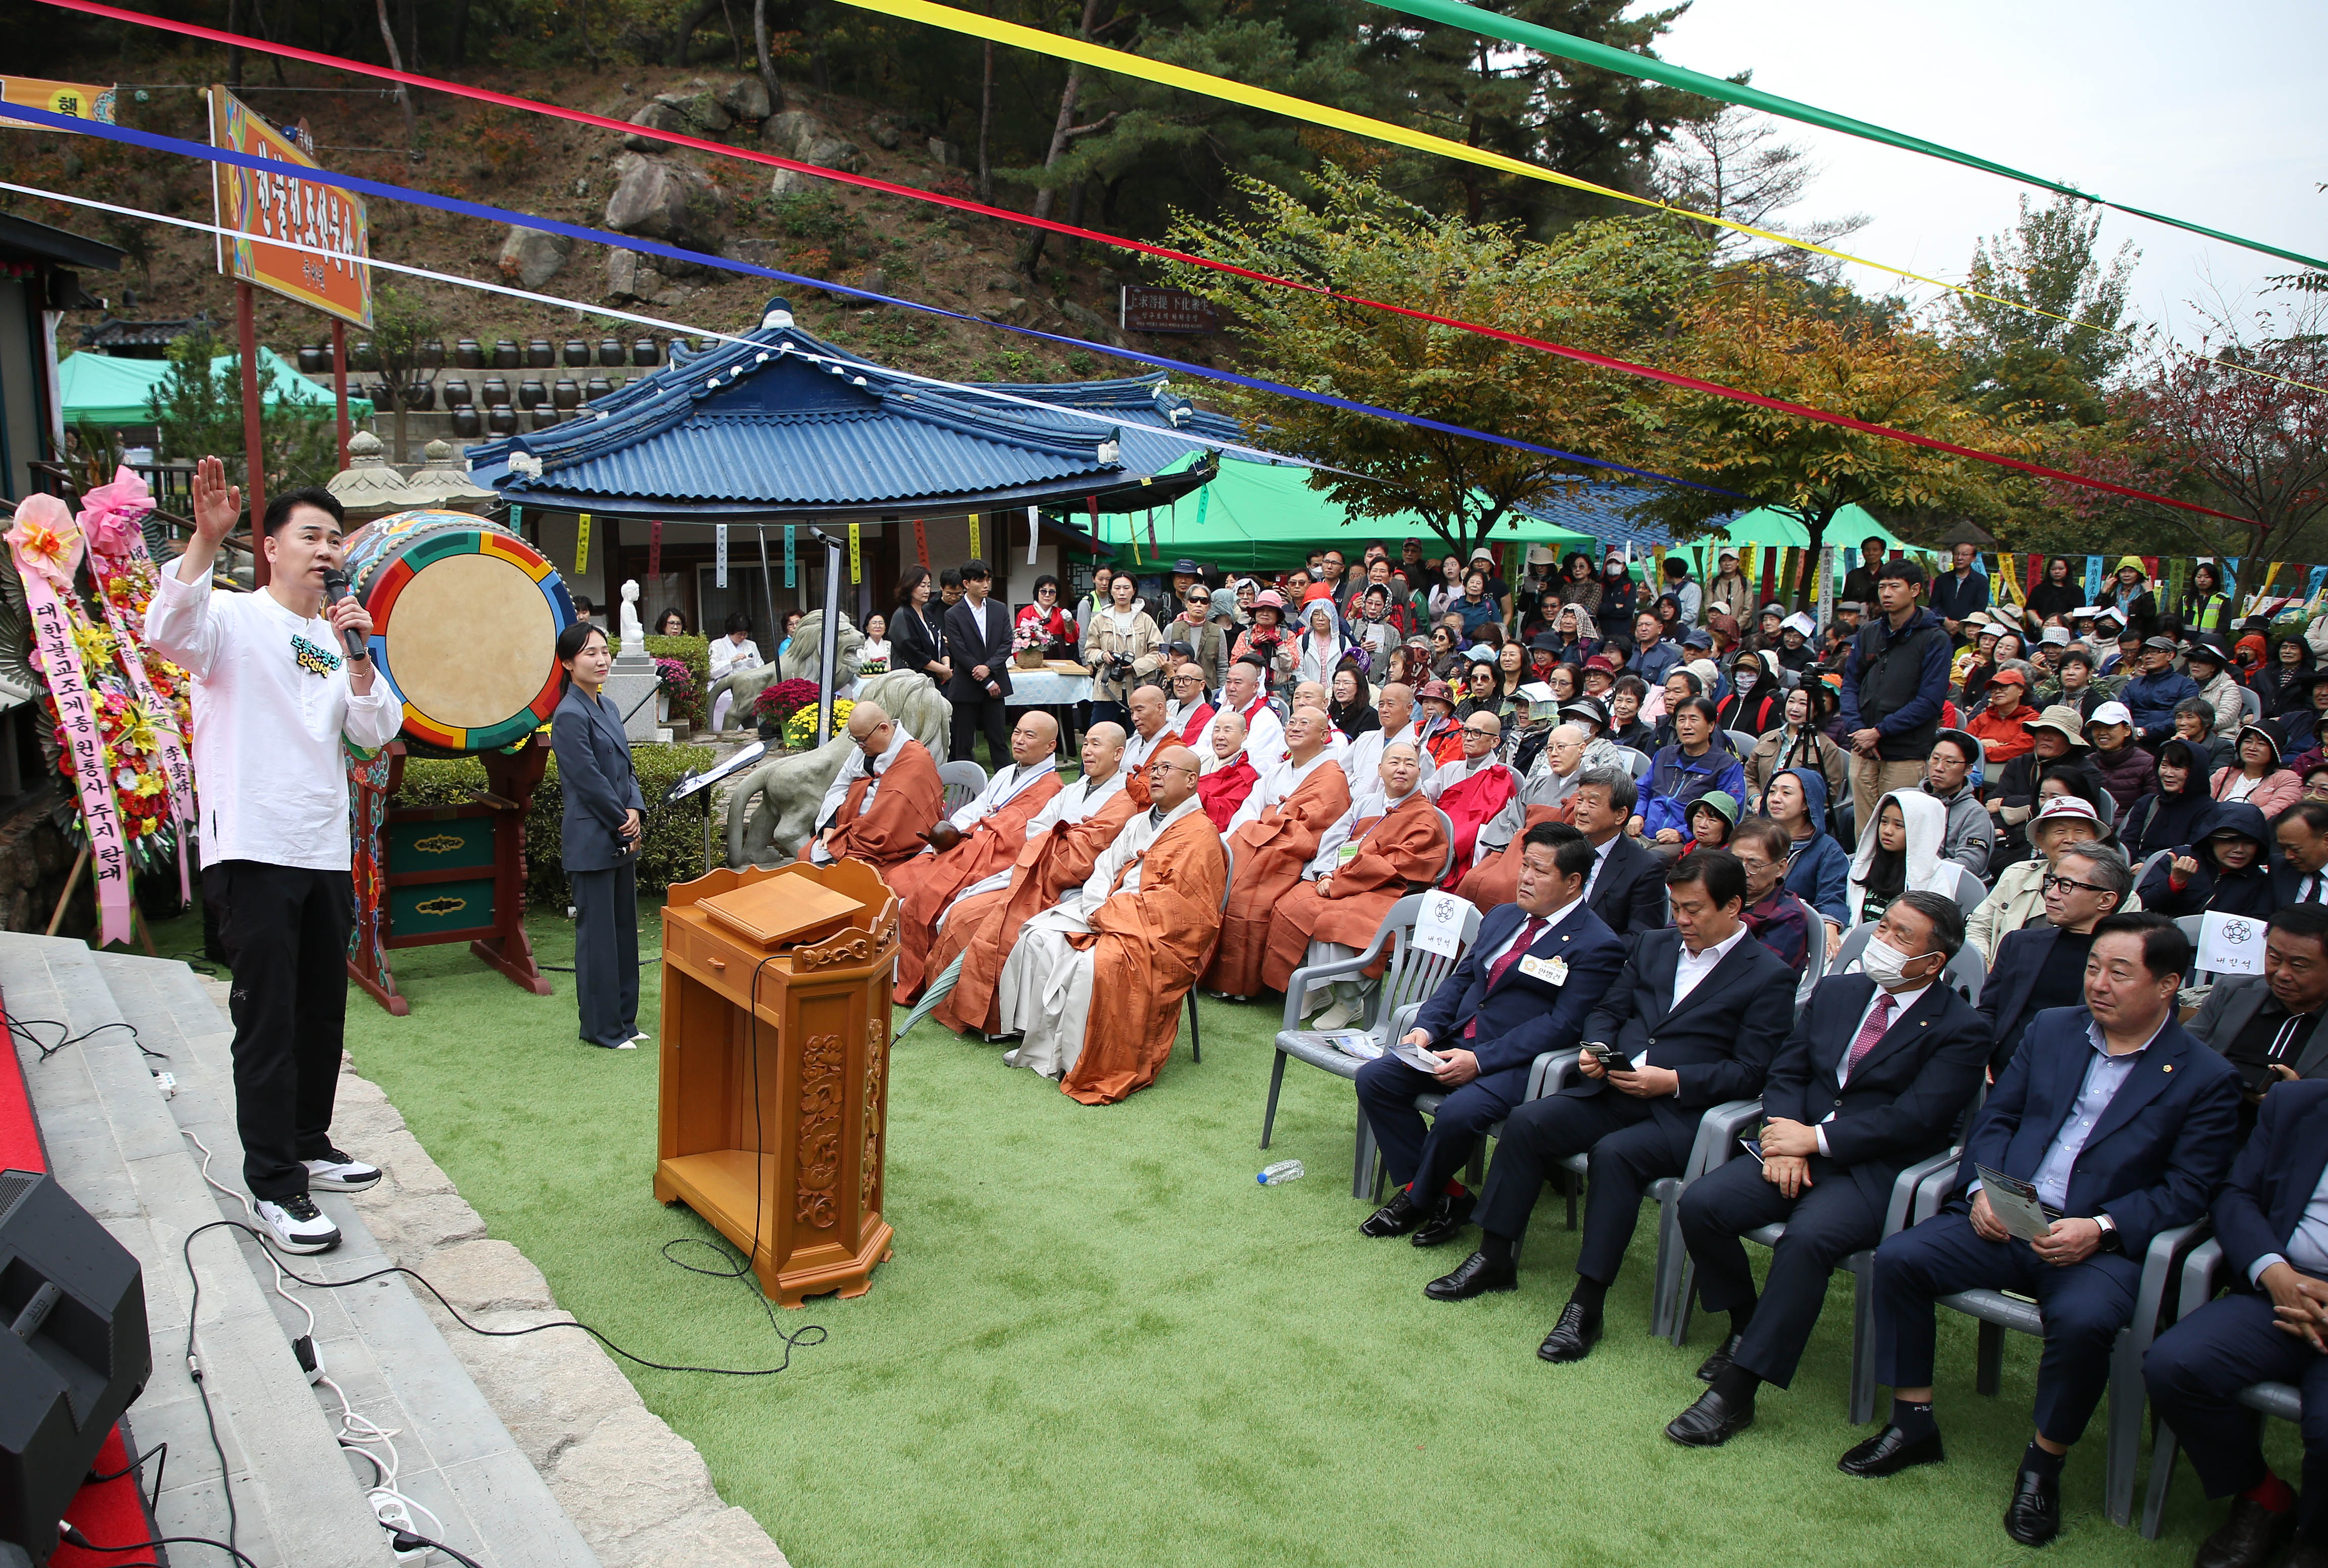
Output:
x,y
47,548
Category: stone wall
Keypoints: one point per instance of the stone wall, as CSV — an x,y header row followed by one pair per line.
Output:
x,y
35,858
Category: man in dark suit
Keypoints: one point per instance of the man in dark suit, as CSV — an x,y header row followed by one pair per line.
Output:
x,y
1696,1014
1875,1077
978,644
1626,886
2267,1024
1536,972
2039,967
2299,872
2272,1218
2123,1125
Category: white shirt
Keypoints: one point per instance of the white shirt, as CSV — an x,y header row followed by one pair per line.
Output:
x,y
977,608
271,701
1487,961
1140,747
1692,967
1599,859
1264,732
726,654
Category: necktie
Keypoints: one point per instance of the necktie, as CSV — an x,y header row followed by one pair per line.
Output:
x,y
1879,1018
1512,955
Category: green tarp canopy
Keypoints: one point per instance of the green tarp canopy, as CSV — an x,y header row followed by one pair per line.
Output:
x,y
99,390
1259,516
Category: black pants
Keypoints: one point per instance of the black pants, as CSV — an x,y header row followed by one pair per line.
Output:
x,y
2195,1371
606,952
286,930
1105,712
1629,1147
1412,1152
1829,1221
988,714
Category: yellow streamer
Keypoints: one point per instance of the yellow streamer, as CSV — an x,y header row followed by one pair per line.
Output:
x,y
1143,68
582,546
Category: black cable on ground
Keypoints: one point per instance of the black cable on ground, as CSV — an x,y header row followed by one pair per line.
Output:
x,y
86,1544
161,1449
48,1049
406,1541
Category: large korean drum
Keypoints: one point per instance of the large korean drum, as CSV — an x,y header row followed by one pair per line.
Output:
x,y
465,617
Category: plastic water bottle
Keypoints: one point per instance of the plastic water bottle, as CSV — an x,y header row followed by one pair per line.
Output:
x,y
1279,1174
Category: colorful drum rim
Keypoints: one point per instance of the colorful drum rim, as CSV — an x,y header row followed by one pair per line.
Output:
x,y
465,535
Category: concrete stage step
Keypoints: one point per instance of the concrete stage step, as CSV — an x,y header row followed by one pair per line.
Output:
x,y
116,1144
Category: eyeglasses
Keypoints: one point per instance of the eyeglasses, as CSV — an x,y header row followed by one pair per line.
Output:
x,y
2068,886
1186,680
1483,734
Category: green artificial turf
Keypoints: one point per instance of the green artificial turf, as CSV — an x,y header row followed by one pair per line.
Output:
x,y
1102,1342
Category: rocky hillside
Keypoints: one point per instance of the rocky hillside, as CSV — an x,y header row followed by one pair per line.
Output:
x,y
584,175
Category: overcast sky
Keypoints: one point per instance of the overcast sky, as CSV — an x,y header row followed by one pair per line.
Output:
x,y
2211,113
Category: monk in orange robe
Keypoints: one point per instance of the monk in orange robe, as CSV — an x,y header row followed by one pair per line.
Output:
x,y
981,926
885,798
1096,981
982,836
1548,795
1480,795
1384,857
1229,773
1273,836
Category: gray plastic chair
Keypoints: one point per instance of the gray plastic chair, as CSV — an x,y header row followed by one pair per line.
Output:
x,y
1964,973
964,781
2251,705
1814,955
2284,1400
1446,826
1228,880
1638,761
1970,893
1742,742
1997,1312
1406,984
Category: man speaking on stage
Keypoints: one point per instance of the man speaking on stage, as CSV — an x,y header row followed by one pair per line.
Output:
x,y
277,682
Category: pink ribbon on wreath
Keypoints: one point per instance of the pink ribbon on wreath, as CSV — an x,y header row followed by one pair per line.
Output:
x,y
47,548
112,518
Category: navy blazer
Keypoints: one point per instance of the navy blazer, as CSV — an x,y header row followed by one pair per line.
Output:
x,y
2258,1210
968,649
1909,1093
595,780
1719,1040
1522,1016
1630,896
2158,1153
2021,957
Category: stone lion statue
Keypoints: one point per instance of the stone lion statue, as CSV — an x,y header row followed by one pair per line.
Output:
x,y
773,810
797,663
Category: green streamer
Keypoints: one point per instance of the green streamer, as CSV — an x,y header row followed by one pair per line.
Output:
x,y
1584,52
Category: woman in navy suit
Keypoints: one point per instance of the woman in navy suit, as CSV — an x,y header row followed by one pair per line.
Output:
x,y
599,840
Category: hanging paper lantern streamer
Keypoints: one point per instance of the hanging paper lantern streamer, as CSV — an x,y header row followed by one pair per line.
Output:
x,y
855,575
654,551
47,545
2093,579
1769,565
2008,571
2178,580
790,566
582,545
1033,530
719,555
2319,577
975,548
517,517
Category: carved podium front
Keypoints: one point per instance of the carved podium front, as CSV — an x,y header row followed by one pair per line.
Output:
x,y
776,1076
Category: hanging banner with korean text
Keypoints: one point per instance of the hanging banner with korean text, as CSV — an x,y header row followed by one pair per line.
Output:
x,y
80,100
791,565
582,544
265,205
856,573
719,555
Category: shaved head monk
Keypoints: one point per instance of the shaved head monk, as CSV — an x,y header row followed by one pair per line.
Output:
x,y
1243,694
1229,773
1189,714
1480,796
1064,840
983,836
1273,836
1362,762
1548,794
1096,983
884,799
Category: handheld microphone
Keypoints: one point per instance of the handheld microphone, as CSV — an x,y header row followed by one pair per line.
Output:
x,y
335,589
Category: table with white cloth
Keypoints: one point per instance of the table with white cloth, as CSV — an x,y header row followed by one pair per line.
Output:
x,y
1058,685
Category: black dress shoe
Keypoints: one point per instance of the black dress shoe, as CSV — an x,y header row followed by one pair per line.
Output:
x,y
1712,1421
1572,1337
2033,1516
1889,1452
1394,1218
1451,1215
2250,1538
1474,1276
1715,1364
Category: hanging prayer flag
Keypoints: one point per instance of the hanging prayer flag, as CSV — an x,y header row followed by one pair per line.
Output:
x,y
855,574
582,546
2093,579
1034,529
921,544
654,552
790,568
719,555
974,548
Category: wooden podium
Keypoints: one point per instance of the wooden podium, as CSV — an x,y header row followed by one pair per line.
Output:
x,y
775,1078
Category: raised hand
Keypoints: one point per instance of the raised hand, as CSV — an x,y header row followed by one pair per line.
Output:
x,y
217,504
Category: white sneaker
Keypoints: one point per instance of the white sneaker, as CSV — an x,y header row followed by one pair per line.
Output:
x,y
339,1173
298,1225
629,1044
1341,1015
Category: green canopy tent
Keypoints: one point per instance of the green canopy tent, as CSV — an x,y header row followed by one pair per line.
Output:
x,y
1264,516
99,390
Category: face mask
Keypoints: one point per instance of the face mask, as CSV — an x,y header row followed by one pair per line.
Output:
x,y
1883,963
1742,680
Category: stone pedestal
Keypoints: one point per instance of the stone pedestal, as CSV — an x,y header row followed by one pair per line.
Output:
x,y
630,688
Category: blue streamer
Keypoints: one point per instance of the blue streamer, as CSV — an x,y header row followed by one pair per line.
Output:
x,y
2093,579
789,568
655,248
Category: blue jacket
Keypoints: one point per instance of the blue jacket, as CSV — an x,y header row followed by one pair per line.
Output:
x,y
1678,782
2151,699
1953,598
593,779
2160,1150
1523,1015
1653,664
2258,1209
1920,711
1818,872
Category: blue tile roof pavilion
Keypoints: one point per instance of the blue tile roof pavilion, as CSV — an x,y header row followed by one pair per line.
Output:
x,y
778,424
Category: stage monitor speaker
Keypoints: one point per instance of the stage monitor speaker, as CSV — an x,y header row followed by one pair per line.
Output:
x,y
73,1352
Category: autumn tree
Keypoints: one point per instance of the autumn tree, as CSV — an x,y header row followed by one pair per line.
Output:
x,y
2053,332
1790,338
1605,286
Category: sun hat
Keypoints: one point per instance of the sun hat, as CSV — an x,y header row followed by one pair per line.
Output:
x,y
2062,719
2063,806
